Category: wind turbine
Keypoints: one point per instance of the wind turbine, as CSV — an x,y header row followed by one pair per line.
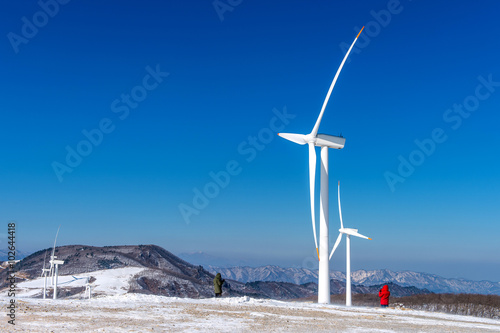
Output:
x,y
52,257
44,275
348,233
54,266
324,141
88,287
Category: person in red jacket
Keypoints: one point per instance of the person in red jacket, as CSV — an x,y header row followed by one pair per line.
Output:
x,y
384,294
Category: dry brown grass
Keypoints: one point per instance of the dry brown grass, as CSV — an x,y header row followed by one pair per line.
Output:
x,y
486,306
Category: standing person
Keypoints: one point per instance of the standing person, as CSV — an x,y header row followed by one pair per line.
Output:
x,y
218,281
384,294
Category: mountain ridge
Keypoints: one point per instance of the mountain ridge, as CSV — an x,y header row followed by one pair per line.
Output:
x,y
432,282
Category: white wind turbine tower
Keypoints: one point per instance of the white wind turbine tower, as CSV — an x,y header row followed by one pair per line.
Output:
x,y
348,233
324,141
54,266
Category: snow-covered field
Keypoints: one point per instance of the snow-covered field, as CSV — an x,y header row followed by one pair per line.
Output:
x,y
147,313
107,282
112,309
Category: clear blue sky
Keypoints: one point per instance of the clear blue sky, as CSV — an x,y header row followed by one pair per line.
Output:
x,y
75,68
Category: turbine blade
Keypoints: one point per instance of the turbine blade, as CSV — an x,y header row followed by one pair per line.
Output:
x,y
297,138
318,121
312,180
43,268
337,242
52,256
340,210
357,234
55,240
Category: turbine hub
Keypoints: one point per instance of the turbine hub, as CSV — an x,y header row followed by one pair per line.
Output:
x,y
309,138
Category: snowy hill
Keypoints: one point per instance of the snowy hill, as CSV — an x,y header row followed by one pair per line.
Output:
x,y
161,272
431,282
109,282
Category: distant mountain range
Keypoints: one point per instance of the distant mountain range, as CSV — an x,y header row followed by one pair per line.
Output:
x,y
430,282
204,259
4,255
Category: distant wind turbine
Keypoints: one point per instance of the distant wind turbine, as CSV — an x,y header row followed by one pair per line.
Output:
x,y
88,287
324,141
44,275
52,257
54,266
348,233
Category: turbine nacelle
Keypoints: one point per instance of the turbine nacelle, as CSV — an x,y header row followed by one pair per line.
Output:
x,y
57,262
330,141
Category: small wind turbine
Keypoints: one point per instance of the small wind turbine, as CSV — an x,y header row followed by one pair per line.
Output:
x,y
88,287
348,233
324,141
54,266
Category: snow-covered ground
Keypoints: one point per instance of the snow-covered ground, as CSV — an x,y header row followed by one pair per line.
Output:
x,y
107,282
147,313
112,309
